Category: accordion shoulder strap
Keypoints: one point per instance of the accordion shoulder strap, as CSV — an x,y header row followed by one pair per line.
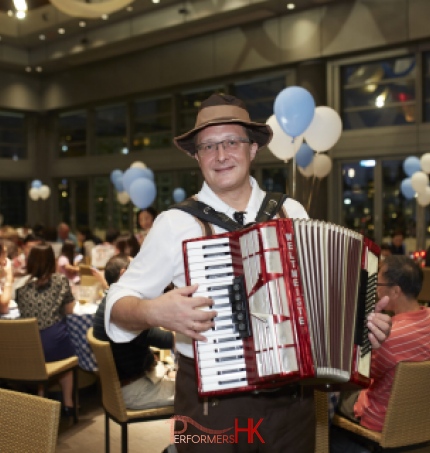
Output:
x,y
207,216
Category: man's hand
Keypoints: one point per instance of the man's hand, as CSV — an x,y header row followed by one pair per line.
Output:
x,y
379,324
175,310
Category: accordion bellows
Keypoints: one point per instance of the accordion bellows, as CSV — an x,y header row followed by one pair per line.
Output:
x,y
292,298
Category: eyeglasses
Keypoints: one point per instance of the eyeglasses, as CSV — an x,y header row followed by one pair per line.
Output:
x,y
228,144
385,284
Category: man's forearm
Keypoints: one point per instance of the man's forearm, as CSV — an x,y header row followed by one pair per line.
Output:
x,y
131,313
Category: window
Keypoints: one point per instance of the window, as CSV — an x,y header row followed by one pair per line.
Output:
x,y
259,96
152,126
167,182
82,203
110,130
398,211
72,137
12,136
64,201
275,179
101,202
426,88
358,198
379,93
13,203
189,104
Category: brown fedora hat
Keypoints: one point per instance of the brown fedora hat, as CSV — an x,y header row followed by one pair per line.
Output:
x,y
223,109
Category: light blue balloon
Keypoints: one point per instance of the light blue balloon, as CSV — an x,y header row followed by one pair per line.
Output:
x,y
115,174
294,110
179,195
118,183
142,192
304,155
148,173
131,174
36,184
407,189
411,165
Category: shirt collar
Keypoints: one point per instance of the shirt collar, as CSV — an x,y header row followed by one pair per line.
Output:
x,y
206,195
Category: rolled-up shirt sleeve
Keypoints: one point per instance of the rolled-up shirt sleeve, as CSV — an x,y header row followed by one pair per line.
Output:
x,y
158,263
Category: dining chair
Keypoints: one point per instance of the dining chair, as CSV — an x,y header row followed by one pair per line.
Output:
x,y
112,400
22,358
407,421
28,423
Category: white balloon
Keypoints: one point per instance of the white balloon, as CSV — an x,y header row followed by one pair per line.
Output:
x,y
308,171
419,181
123,197
282,145
324,130
322,165
425,162
44,192
423,198
137,164
34,193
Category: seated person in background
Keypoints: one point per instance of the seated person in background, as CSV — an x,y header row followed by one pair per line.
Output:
x,y
20,263
145,218
127,244
47,297
66,262
142,387
385,250
6,279
400,279
87,240
101,253
397,245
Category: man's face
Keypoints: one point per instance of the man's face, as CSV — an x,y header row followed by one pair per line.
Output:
x,y
397,240
225,170
384,287
63,232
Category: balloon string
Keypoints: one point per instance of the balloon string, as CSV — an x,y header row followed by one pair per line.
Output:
x,y
311,191
294,176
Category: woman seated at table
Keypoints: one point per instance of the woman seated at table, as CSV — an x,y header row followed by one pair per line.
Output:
x,y
66,262
47,297
6,279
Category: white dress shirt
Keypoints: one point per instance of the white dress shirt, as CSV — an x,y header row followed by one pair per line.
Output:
x,y
160,260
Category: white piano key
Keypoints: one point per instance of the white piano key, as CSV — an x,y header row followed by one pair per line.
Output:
x,y
206,243
223,369
219,379
223,385
212,272
234,344
222,338
219,357
221,278
208,262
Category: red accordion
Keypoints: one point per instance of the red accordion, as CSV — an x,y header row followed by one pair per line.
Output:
x,y
292,297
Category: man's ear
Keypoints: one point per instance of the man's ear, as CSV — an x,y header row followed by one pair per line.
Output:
x,y
253,150
122,271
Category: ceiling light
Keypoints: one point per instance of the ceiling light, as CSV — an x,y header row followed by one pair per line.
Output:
x,y
105,17
28,69
61,31
90,10
10,13
155,1
42,37
82,23
291,5
20,15
39,69
129,8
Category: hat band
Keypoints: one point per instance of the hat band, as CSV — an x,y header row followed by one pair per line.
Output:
x,y
218,112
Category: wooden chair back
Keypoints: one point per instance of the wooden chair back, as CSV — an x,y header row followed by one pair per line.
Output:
x,y
28,423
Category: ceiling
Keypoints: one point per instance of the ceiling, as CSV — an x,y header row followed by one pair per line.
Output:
x,y
35,44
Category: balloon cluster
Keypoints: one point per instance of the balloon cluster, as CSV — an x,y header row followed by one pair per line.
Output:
x,y
39,190
417,182
297,119
135,184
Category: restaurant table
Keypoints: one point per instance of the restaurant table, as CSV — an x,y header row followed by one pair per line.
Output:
x,y
78,324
